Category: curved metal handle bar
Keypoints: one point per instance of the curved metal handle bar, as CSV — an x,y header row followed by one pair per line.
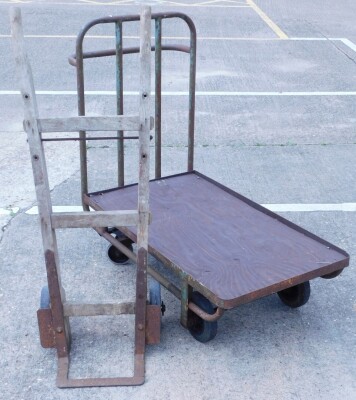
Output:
x,y
204,315
130,18
129,50
78,61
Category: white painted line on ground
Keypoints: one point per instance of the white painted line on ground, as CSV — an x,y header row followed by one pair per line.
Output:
x,y
221,93
236,4
137,37
9,211
349,44
183,93
164,4
210,5
347,207
316,39
34,210
344,207
276,39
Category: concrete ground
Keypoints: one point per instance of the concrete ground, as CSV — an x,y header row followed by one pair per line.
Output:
x,y
275,121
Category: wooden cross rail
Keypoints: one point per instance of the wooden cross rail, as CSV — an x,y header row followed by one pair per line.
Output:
x,y
107,123
88,219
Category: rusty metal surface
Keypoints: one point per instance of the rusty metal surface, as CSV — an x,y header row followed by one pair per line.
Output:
x,y
141,309
60,323
153,324
233,250
127,50
77,60
191,111
63,380
204,315
45,326
158,95
186,294
119,103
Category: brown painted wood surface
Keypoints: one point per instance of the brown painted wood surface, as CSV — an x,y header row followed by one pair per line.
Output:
x,y
236,251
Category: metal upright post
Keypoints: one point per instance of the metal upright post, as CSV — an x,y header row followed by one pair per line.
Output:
x,y
158,91
119,103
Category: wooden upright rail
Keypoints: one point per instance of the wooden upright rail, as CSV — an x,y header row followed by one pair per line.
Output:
x,y
56,326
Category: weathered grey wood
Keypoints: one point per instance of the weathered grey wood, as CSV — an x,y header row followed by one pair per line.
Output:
x,y
32,130
74,124
88,219
91,310
143,190
39,168
144,112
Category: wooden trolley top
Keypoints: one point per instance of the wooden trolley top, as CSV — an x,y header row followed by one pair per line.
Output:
x,y
233,249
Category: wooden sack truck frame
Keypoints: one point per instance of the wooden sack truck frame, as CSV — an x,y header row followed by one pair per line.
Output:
x,y
54,319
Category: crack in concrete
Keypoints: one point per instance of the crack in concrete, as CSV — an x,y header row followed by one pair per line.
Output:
x,y
331,41
339,49
23,210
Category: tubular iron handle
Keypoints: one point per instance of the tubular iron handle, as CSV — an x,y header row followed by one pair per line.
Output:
x,y
204,315
129,50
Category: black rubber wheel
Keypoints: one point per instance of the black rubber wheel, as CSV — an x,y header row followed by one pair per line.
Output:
x,y
45,299
202,331
118,257
295,296
332,274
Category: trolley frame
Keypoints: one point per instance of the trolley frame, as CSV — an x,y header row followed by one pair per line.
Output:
x,y
189,283
53,318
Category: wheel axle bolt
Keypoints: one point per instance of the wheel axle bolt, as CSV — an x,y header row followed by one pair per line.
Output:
x,y
140,327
